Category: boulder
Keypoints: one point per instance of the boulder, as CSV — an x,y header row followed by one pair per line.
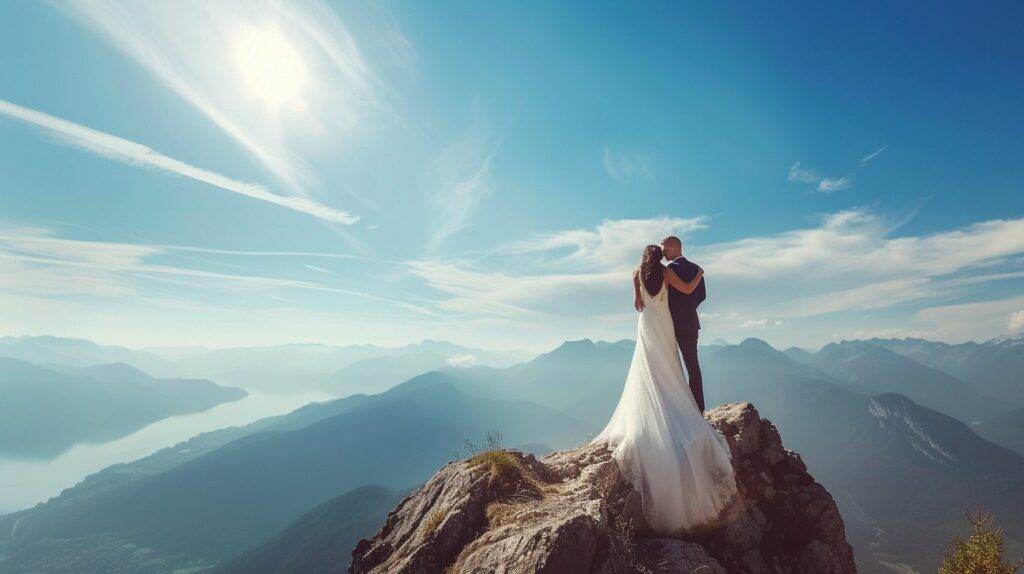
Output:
x,y
572,512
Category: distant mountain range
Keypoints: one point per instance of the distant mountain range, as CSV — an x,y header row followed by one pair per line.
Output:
x,y
902,473
342,371
580,378
871,368
280,368
47,350
44,412
379,373
288,368
994,368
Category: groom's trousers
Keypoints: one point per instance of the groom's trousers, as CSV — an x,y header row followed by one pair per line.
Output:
x,y
688,346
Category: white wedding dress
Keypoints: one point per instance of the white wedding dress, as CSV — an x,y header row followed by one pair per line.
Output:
x,y
678,462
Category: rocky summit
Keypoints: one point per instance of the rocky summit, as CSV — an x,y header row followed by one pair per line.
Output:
x,y
572,512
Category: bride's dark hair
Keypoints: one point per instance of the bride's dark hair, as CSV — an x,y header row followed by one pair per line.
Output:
x,y
652,272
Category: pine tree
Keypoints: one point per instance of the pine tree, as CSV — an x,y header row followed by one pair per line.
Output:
x,y
981,552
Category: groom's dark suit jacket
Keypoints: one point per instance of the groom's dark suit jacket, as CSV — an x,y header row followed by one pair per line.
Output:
x,y
682,306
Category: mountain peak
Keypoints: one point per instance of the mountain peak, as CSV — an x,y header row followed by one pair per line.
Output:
x,y
755,343
853,347
586,349
573,511
1010,340
577,343
572,347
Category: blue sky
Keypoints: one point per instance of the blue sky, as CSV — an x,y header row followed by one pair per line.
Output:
x,y
197,173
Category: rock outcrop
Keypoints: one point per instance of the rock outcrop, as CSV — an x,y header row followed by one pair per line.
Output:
x,y
572,512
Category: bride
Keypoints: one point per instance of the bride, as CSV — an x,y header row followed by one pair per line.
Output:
x,y
678,462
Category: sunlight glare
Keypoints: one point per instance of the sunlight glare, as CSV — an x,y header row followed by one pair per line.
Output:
x,y
272,68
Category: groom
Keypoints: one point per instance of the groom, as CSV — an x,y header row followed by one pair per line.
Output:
x,y
684,313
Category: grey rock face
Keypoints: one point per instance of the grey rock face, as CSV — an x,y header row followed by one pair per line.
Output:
x,y
572,512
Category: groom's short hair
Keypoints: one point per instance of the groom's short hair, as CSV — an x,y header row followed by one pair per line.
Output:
x,y
673,241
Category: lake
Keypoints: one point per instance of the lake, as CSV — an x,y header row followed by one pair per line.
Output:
x,y
23,483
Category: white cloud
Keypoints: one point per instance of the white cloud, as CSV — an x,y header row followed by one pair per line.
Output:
x,y
823,184
802,175
760,324
35,262
132,153
461,177
621,166
327,255
1016,323
979,320
798,174
462,361
613,244
319,269
494,293
866,159
830,184
887,333
851,260
858,243
820,183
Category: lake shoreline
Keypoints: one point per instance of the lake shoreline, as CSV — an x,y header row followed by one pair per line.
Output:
x,y
27,482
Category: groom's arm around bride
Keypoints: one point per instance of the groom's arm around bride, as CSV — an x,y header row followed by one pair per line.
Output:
x,y
684,313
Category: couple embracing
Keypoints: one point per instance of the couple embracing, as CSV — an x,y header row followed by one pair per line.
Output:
x,y
679,463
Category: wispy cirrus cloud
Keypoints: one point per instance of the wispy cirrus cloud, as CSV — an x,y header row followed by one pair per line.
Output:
x,y
621,166
208,54
978,320
798,174
319,269
850,261
613,244
802,174
873,155
823,184
581,266
35,261
132,153
830,184
460,178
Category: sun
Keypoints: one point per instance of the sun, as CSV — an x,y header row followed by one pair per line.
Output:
x,y
273,70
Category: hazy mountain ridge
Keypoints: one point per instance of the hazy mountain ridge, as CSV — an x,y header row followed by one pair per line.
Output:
x,y
46,349
867,450
876,369
994,368
278,368
44,412
378,374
